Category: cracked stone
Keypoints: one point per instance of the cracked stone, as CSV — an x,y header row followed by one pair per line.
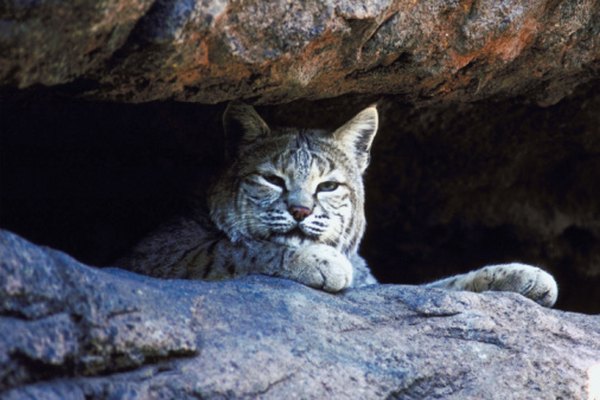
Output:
x,y
264,337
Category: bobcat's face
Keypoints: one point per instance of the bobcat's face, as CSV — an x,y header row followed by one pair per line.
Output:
x,y
299,194
293,187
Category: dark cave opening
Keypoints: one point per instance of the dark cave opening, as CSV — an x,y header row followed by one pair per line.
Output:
x,y
450,188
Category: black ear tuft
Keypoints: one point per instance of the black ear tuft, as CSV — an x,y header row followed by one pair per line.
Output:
x,y
242,126
356,135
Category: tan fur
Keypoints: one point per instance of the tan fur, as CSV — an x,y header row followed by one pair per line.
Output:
x,y
291,204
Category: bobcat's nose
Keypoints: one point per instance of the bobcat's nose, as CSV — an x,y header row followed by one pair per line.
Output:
x,y
299,212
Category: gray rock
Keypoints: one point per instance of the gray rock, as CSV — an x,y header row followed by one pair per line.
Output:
x,y
69,331
62,319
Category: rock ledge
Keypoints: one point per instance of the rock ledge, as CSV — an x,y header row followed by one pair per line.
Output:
x,y
72,332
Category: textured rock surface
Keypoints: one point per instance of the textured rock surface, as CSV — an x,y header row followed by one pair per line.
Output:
x,y
73,332
59,319
212,51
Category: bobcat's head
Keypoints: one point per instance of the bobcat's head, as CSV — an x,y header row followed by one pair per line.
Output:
x,y
293,186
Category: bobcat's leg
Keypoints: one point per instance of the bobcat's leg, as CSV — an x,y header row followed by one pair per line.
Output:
x,y
315,265
215,258
532,282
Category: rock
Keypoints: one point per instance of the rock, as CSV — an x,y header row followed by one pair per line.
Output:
x,y
275,52
52,42
69,331
62,319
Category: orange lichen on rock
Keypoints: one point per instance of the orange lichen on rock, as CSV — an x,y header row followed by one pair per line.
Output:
x,y
213,51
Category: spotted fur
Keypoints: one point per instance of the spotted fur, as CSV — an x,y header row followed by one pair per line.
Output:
x,y
291,204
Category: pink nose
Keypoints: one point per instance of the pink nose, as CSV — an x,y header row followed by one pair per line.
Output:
x,y
299,212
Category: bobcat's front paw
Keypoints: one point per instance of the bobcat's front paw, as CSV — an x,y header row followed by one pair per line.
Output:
x,y
532,282
322,267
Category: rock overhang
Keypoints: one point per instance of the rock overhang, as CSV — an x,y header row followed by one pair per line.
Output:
x,y
277,52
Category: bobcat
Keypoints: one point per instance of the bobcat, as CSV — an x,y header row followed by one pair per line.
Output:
x,y
290,204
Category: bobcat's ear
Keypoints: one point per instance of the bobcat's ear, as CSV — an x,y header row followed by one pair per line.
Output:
x,y
242,126
356,135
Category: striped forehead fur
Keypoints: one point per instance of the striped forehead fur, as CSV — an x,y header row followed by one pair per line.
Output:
x,y
318,143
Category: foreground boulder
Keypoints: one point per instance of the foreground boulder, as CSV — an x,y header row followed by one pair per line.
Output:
x,y
72,332
274,52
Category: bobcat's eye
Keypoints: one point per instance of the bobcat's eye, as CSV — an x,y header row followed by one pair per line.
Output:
x,y
275,180
329,186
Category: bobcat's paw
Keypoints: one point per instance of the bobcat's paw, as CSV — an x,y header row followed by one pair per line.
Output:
x,y
322,267
532,282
